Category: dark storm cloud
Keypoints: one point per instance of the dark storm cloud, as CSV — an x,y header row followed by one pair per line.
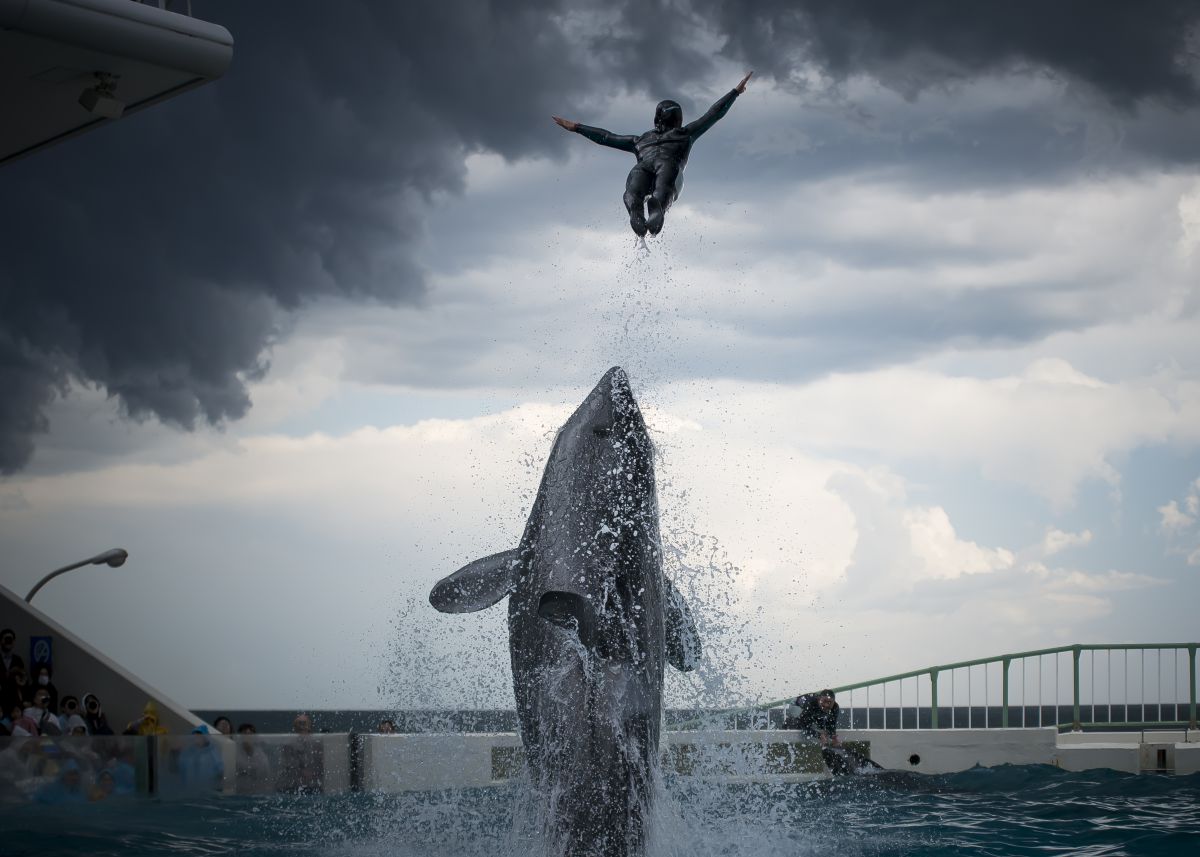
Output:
x,y
152,257
1127,51
158,258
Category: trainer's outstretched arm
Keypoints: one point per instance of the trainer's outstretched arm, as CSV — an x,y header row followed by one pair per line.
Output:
x,y
624,142
718,110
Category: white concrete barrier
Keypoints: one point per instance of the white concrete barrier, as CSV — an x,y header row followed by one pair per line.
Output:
x,y
941,751
1083,757
1187,758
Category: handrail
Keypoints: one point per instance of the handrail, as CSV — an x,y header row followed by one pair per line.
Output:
x,y
1005,660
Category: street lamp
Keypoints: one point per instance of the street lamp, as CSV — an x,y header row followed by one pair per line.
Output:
x,y
114,558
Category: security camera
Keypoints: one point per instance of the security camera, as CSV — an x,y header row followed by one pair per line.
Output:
x,y
101,99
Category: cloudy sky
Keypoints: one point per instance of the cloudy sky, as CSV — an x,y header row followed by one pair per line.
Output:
x,y
919,345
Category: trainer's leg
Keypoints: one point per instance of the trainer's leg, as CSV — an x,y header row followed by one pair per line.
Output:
x,y
666,188
637,187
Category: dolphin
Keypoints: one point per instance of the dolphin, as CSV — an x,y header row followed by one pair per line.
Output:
x,y
592,620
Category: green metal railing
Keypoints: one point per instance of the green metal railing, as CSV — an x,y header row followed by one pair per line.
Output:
x,y
1076,651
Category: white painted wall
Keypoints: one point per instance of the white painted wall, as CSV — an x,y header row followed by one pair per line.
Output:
x,y
943,751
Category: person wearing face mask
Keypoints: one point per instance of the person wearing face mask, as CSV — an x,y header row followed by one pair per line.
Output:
x,y
43,677
662,152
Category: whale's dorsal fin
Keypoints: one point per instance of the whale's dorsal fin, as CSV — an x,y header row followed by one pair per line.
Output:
x,y
479,584
683,643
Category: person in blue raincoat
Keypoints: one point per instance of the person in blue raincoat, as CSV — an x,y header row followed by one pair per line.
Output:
x,y
67,788
200,764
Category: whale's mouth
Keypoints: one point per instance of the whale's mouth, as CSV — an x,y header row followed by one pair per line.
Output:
x,y
601,634
571,611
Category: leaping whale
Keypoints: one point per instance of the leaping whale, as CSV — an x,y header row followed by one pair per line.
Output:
x,y
591,619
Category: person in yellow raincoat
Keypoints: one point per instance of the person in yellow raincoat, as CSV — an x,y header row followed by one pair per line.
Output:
x,y
147,724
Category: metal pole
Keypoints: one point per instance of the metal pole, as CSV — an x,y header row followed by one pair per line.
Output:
x,y
1075,651
1007,662
933,715
1192,683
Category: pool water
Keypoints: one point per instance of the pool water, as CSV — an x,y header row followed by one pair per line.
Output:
x,y
1009,810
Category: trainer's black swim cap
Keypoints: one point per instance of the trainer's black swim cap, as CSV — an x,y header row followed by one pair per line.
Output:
x,y
668,114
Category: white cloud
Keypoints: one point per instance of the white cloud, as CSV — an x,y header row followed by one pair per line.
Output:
x,y
1056,540
1048,428
1173,520
1180,527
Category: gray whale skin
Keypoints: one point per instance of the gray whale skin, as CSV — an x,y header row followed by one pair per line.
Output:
x,y
591,619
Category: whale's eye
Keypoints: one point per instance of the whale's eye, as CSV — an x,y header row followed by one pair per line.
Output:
x,y
602,431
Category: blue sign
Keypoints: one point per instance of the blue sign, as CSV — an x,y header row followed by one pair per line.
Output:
x,y
41,651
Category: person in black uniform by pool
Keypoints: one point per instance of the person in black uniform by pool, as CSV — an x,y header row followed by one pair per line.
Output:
x,y
657,178
817,717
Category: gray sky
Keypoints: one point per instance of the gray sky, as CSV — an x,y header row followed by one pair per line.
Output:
x,y
918,345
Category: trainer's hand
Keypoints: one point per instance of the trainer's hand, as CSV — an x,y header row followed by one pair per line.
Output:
x,y
565,123
741,87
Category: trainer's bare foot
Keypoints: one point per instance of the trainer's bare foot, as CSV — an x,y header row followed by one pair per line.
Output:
x,y
568,124
741,87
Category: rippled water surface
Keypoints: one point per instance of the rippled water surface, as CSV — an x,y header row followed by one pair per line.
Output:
x,y
1000,811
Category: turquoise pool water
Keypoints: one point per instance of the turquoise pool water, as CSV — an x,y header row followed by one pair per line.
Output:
x,y
1011,810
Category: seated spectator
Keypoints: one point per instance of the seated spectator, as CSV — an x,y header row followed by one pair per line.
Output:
x,y
147,724
106,786
43,677
816,715
386,727
119,758
20,726
201,767
15,765
68,788
9,659
223,725
8,716
75,726
67,706
302,763
253,767
39,712
93,714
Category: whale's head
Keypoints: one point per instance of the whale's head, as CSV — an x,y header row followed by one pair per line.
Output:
x,y
606,431
598,537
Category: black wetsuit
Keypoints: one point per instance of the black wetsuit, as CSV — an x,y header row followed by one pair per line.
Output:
x,y
812,719
657,178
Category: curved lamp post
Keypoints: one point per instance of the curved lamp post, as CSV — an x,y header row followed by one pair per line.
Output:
x,y
114,558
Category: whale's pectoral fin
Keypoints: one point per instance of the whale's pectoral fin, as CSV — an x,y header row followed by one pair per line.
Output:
x,y
683,643
478,584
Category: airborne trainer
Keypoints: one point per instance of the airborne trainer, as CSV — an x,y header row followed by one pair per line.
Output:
x,y
662,152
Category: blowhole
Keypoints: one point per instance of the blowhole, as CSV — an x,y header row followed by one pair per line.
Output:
x,y
914,759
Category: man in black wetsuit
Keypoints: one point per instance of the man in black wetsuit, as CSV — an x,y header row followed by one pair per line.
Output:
x,y
657,178
817,717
